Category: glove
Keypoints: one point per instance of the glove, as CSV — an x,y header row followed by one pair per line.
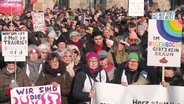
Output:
x,y
7,91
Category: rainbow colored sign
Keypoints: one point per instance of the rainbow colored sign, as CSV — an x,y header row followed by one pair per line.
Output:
x,y
164,43
38,21
170,30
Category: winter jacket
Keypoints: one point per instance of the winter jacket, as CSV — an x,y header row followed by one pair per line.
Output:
x,y
84,82
60,75
6,77
125,75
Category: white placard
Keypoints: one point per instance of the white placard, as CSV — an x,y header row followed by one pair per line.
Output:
x,y
14,43
164,43
168,15
137,94
136,8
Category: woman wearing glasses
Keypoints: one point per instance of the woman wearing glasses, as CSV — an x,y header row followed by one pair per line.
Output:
x,y
131,74
68,56
55,73
83,84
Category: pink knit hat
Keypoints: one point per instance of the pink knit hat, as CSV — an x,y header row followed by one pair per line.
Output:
x,y
90,55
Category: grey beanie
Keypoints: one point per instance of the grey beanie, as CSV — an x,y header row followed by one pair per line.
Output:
x,y
52,33
74,33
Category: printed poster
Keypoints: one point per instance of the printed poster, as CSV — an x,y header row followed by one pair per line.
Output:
x,y
47,94
38,21
164,43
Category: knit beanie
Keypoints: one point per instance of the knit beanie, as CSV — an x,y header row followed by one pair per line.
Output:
x,y
74,33
90,55
52,33
61,39
33,49
133,55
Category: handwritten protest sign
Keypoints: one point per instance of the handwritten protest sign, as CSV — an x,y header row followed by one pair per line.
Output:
x,y
136,8
38,21
169,15
11,6
14,43
142,94
164,43
47,94
37,6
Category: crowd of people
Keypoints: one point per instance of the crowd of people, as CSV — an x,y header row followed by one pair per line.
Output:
x,y
79,47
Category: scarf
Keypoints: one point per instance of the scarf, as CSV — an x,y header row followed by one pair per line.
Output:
x,y
110,66
98,47
10,71
78,44
55,72
92,71
70,70
33,70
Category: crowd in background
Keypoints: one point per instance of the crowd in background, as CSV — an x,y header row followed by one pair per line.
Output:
x,y
79,47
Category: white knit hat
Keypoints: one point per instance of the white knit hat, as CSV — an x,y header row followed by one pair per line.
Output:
x,y
52,33
74,33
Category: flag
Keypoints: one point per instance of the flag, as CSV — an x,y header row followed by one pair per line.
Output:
x,y
56,3
113,8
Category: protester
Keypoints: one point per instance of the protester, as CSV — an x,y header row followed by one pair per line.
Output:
x,y
107,33
133,38
98,43
131,28
11,76
107,65
44,50
131,74
67,56
117,52
118,30
77,54
61,44
83,85
55,73
33,64
143,36
171,77
75,39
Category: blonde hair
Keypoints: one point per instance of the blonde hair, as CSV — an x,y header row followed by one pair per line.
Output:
x,y
65,51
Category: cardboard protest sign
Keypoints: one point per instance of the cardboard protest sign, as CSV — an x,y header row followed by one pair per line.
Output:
x,y
14,43
168,15
37,6
136,8
38,21
36,95
11,6
164,43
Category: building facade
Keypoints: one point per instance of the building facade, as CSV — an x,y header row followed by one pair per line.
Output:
x,y
91,4
162,4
